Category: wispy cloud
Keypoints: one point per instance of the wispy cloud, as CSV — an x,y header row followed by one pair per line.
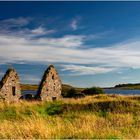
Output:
x,y
19,27
1,74
41,31
25,45
30,78
15,22
74,24
126,77
86,70
18,49
31,33
99,35
67,49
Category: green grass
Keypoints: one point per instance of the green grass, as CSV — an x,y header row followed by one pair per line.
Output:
x,y
99,116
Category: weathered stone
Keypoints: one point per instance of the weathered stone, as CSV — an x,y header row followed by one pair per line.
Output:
x,y
10,86
50,87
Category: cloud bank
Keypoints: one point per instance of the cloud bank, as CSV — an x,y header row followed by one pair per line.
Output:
x,y
26,46
68,50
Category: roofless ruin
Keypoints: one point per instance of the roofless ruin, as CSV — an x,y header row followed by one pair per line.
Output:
x,y
10,86
49,89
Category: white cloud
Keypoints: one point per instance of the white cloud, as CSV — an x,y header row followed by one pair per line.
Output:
x,y
68,50
40,31
15,22
30,78
126,77
74,24
15,49
86,70
27,33
31,33
99,35
18,27
1,74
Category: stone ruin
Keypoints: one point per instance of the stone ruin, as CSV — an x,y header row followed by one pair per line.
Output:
x,y
50,87
10,86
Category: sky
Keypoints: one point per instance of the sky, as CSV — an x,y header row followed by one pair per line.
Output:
x,y
89,43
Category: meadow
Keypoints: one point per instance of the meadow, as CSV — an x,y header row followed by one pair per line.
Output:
x,y
98,116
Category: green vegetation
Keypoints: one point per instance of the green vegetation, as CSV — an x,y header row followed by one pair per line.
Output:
x,y
28,87
72,93
69,91
93,91
128,86
35,87
99,116
79,90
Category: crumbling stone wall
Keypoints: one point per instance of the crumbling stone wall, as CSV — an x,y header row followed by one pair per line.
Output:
x,y
50,87
10,86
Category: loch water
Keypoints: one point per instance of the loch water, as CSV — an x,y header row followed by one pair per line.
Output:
x,y
108,91
121,91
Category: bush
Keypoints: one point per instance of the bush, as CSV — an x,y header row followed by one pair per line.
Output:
x,y
54,109
93,91
70,93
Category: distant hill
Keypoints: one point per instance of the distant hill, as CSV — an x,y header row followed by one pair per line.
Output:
x,y
29,87
65,87
128,86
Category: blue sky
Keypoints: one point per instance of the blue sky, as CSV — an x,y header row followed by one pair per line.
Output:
x,y
90,43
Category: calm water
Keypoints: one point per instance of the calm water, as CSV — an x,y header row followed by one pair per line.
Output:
x,y
108,91
24,92
120,91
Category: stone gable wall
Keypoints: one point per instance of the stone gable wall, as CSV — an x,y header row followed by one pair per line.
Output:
x,y
50,87
10,90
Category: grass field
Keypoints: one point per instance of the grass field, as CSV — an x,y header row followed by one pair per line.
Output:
x,y
100,116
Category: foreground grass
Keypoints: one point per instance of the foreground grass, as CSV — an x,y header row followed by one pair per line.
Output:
x,y
102,116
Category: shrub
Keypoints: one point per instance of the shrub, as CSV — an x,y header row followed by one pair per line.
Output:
x,y
70,93
54,109
93,91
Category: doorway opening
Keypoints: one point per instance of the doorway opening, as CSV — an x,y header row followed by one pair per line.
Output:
x,y
14,91
54,98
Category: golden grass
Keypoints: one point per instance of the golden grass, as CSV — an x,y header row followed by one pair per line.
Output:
x,y
27,122
86,126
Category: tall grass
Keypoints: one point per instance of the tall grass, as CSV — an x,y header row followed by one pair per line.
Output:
x,y
101,116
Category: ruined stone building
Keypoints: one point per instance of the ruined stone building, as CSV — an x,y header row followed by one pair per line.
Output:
x,y
10,86
50,87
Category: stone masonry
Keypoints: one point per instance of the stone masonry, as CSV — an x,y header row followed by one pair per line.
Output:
x,y
50,87
10,86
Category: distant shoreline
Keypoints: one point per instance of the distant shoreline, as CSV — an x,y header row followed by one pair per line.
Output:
x,y
120,86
